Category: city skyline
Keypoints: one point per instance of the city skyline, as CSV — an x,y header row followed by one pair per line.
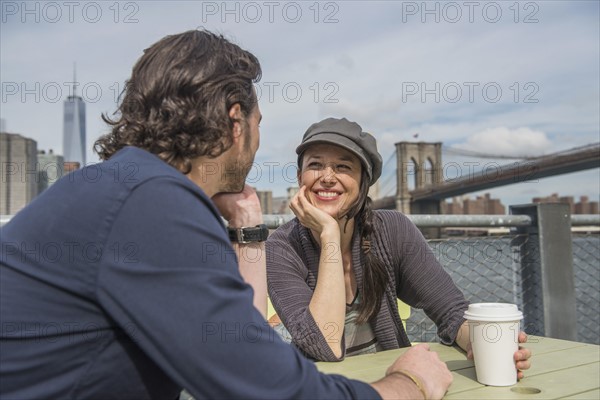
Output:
x,y
471,77
28,171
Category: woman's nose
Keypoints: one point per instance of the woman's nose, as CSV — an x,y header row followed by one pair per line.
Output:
x,y
328,174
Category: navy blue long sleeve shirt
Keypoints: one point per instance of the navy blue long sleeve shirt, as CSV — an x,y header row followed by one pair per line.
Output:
x,y
119,282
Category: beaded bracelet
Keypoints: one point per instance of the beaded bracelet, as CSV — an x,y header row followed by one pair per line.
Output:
x,y
413,378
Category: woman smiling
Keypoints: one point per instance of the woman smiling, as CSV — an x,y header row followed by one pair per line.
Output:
x,y
336,271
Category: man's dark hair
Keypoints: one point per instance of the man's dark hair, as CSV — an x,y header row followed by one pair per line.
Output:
x,y
176,103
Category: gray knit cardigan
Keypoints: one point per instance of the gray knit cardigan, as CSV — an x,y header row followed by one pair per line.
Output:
x,y
414,275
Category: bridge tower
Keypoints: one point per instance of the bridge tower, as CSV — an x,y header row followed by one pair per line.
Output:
x,y
421,163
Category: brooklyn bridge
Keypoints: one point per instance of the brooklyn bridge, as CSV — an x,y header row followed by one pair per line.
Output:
x,y
420,164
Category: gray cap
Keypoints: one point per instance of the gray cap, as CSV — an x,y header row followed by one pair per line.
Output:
x,y
348,135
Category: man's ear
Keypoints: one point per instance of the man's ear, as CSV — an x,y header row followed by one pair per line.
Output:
x,y
236,115
299,176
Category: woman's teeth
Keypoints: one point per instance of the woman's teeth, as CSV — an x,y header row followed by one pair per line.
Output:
x,y
327,194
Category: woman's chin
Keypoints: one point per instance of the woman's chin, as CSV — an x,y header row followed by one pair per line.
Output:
x,y
334,209
336,213
331,211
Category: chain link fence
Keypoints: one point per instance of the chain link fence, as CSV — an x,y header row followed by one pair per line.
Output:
x,y
586,265
494,269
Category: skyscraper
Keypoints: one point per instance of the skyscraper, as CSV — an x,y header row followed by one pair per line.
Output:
x,y
266,201
50,168
74,128
18,172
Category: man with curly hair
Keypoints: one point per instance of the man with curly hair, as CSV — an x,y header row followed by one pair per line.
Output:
x,y
121,281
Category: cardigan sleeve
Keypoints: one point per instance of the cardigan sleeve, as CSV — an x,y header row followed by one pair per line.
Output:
x,y
290,293
422,282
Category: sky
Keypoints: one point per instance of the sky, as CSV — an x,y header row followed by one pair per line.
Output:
x,y
497,77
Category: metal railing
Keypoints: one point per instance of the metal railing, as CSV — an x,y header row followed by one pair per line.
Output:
x,y
274,221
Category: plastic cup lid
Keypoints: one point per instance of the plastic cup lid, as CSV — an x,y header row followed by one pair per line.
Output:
x,y
493,312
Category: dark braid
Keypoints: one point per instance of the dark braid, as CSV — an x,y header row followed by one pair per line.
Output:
x,y
375,275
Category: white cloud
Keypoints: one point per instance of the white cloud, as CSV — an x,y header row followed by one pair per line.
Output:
x,y
519,142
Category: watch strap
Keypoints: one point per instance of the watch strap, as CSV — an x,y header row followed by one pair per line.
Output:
x,y
247,234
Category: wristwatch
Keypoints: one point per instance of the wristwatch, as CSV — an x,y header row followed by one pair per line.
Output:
x,y
258,233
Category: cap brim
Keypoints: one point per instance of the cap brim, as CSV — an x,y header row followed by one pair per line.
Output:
x,y
341,141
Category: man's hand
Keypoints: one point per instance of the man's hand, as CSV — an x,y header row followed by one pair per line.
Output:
x,y
240,209
422,364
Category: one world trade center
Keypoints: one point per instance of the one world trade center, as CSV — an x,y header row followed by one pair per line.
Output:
x,y
74,128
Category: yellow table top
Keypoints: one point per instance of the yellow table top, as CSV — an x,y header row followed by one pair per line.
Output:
x,y
560,370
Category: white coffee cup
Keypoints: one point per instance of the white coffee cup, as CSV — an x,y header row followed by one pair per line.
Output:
x,y
494,334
